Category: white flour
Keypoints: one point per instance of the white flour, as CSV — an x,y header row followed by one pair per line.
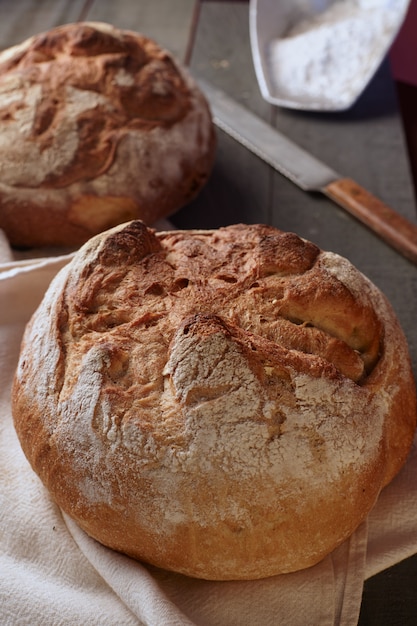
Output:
x,y
328,57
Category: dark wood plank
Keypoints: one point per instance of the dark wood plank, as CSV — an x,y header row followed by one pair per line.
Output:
x,y
389,599
19,20
239,188
169,22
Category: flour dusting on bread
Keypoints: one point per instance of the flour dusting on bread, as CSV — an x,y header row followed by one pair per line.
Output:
x,y
226,404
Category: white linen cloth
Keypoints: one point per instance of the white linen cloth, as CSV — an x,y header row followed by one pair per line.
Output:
x,y
53,574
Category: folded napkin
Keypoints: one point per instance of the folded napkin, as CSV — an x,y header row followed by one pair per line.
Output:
x,y
52,573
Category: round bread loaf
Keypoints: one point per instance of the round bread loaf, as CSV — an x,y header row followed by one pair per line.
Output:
x,y
98,126
227,404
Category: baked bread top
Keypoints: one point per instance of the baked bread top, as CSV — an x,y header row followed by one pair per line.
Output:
x,y
226,404
97,126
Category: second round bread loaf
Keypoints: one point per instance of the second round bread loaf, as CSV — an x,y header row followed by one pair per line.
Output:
x,y
98,126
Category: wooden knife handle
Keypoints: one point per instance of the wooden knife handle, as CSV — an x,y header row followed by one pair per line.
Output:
x,y
392,227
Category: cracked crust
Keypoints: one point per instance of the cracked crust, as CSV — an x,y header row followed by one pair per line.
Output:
x,y
98,126
226,404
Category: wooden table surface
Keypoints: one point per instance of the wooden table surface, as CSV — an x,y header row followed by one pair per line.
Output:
x,y
366,143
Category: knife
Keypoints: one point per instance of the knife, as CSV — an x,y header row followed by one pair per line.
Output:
x,y
309,173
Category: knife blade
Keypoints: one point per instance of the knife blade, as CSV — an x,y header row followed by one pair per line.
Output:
x,y
308,172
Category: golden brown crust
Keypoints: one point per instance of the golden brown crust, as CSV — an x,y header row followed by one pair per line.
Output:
x,y
227,404
99,126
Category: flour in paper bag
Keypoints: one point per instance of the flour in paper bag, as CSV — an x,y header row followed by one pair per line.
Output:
x,y
326,57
